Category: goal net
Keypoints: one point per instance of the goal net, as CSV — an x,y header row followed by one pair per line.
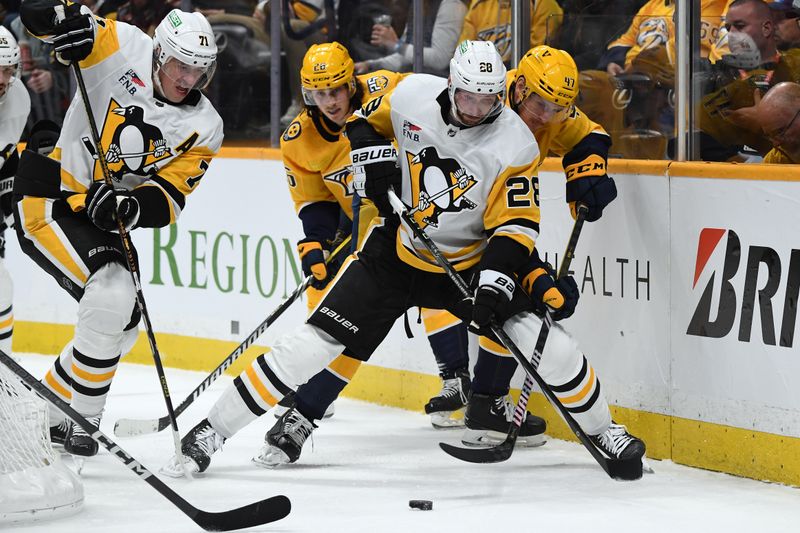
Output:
x,y
34,483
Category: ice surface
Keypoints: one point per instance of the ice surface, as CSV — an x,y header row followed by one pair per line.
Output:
x,y
365,464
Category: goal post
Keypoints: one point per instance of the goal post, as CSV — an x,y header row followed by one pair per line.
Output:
x,y
34,482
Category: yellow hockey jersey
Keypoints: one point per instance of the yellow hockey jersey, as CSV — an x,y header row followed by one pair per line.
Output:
x,y
460,184
316,155
147,141
653,26
490,20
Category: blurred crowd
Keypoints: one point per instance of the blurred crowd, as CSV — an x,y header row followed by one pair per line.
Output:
x,y
624,49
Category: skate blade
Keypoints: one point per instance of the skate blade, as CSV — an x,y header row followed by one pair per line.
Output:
x,y
646,468
271,457
174,470
79,462
329,412
446,420
487,439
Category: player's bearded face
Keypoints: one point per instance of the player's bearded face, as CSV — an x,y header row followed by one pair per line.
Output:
x,y
472,108
334,103
178,78
536,112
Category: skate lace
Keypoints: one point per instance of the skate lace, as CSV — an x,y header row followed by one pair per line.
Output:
x,y
503,407
452,387
78,430
297,428
63,426
209,441
615,439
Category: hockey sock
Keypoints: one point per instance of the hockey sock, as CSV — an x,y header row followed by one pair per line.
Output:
x,y
6,329
91,381
582,397
448,339
493,370
59,380
314,397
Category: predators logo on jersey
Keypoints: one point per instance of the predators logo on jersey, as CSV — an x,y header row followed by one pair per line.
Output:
x,y
499,35
340,178
132,145
439,185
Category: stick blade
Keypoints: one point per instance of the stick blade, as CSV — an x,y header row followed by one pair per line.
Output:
x,y
255,514
128,427
495,454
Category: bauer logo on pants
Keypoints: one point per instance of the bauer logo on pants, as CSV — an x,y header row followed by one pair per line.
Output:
x,y
743,281
349,326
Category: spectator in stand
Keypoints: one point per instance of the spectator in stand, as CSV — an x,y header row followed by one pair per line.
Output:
x,y
786,17
490,20
778,114
589,25
439,36
144,14
47,81
730,127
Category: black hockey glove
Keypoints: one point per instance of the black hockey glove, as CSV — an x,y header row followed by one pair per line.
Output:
x,y
73,37
103,204
595,192
312,259
560,295
492,297
375,172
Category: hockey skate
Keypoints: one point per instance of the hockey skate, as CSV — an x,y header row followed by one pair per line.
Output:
x,y
447,407
488,420
58,433
197,447
617,443
78,442
284,441
288,402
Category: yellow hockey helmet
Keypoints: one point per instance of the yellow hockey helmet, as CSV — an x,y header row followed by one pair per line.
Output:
x,y
549,72
327,66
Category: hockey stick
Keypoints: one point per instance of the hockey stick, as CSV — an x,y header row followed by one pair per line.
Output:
x,y
503,451
128,427
130,258
627,469
254,514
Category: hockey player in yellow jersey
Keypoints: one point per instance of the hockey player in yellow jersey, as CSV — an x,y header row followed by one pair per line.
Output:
x,y
159,134
542,90
467,173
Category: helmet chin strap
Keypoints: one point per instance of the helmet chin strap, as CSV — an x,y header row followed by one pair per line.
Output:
x,y
157,80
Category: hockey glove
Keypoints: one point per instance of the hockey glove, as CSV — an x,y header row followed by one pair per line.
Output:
x,y
374,173
9,160
492,297
73,36
312,259
103,204
560,295
595,192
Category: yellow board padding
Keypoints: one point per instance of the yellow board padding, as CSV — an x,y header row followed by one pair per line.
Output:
x,y
747,453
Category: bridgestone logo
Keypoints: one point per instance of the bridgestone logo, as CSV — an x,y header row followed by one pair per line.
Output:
x,y
349,326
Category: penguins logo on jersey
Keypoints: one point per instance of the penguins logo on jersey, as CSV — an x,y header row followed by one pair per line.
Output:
x,y
439,185
340,177
132,145
499,35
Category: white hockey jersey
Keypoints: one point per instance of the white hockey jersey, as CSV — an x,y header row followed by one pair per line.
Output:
x,y
14,110
148,142
461,185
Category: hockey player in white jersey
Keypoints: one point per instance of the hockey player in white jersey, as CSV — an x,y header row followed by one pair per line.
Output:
x,y
159,134
466,173
15,105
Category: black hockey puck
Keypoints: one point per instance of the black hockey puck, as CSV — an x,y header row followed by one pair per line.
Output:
x,y
422,505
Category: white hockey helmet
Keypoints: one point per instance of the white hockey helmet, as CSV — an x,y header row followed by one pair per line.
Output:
x,y
477,68
188,38
9,57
